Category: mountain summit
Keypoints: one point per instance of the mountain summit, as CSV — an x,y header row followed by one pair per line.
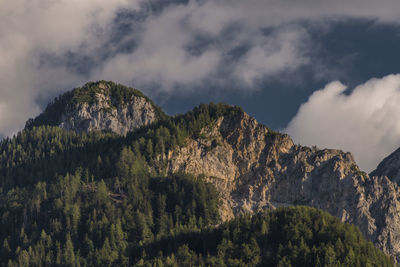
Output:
x,y
100,105
390,167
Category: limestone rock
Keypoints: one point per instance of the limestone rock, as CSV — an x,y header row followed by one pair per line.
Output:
x,y
86,117
390,167
256,169
99,106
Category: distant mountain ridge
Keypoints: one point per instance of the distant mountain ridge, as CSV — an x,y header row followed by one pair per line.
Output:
x,y
252,167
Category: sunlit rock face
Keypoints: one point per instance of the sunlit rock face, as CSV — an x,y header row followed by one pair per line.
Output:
x,y
255,169
120,119
99,106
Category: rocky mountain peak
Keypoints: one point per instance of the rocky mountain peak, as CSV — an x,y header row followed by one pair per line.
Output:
x,y
390,167
100,105
255,168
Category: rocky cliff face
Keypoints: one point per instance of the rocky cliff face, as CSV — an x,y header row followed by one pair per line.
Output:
x,y
255,169
102,115
99,106
389,167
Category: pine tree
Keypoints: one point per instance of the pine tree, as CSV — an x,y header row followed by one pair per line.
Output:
x,y
68,254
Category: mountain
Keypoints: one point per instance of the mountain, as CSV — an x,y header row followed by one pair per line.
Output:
x,y
390,167
100,106
255,169
75,190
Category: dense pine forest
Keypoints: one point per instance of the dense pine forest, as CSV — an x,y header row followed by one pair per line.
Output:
x,y
99,199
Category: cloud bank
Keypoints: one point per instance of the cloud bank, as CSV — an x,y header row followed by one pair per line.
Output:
x,y
364,122
49,46
32,29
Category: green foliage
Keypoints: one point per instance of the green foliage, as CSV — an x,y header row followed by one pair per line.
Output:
x,y
356,170
293,236
98,199
41,153
101,223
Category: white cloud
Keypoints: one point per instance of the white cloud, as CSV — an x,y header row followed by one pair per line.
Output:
x,y
365,122
277,52
30,29
161,56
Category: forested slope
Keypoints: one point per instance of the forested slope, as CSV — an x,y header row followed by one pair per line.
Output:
x,y
98,198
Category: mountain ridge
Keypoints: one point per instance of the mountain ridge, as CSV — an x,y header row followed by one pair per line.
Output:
x,y
256,170
252,167
390,167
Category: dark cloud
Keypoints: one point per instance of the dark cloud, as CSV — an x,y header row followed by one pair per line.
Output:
x,y
271,54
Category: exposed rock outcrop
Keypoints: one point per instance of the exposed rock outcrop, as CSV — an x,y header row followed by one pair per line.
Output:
x,y
137,112
100,106
390,167
256,169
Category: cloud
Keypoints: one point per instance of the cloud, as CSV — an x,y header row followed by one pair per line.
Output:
x,y
49,46
30,29
269,35
280,51
164,56
364,122
161,56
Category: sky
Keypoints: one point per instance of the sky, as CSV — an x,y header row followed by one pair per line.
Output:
x,y
325,72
